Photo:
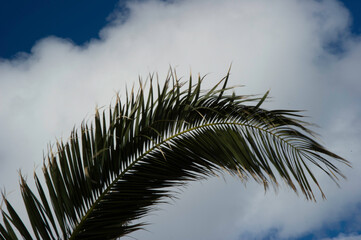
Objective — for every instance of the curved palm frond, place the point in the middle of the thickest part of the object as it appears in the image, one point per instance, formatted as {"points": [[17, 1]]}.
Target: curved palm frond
{"points": [[114, 171]]}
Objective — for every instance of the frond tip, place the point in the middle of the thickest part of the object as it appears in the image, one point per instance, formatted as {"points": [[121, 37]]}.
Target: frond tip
{"points": [[114, 171]]}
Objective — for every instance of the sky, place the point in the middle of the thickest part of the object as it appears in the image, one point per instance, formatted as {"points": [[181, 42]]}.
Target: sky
{"points": [[61, 59]]}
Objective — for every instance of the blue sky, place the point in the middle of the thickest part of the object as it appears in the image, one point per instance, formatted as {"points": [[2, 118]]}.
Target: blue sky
{"points": [[67, 41], [355, 8], [22, 23]]}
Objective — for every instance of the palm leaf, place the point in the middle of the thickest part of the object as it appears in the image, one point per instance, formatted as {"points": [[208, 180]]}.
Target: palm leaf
{"points": [[113, 172]]}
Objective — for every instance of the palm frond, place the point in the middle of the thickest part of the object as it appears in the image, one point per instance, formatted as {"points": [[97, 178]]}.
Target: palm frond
{"points": [[114, 171]]}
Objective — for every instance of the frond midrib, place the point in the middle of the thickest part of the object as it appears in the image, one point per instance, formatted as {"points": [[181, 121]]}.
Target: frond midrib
{"points": [[83, 220]]}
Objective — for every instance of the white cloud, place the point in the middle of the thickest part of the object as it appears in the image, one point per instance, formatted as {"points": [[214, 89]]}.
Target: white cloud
{"points": [[280, 45], [345, 237]]}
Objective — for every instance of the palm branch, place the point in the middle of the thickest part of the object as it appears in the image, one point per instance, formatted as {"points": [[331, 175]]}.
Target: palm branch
{"points": [[109, 174]]}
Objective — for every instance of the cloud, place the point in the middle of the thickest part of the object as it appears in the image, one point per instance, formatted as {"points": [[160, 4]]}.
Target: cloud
{"points": [[345, 237], [282, 45]]}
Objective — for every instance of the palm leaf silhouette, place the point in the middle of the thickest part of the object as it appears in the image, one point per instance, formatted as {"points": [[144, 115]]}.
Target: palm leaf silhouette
{"points": [[113, 172]]}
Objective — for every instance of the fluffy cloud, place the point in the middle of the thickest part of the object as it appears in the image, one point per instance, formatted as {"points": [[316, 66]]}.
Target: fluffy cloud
{"points": [[283, 45], [345, 237]]}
